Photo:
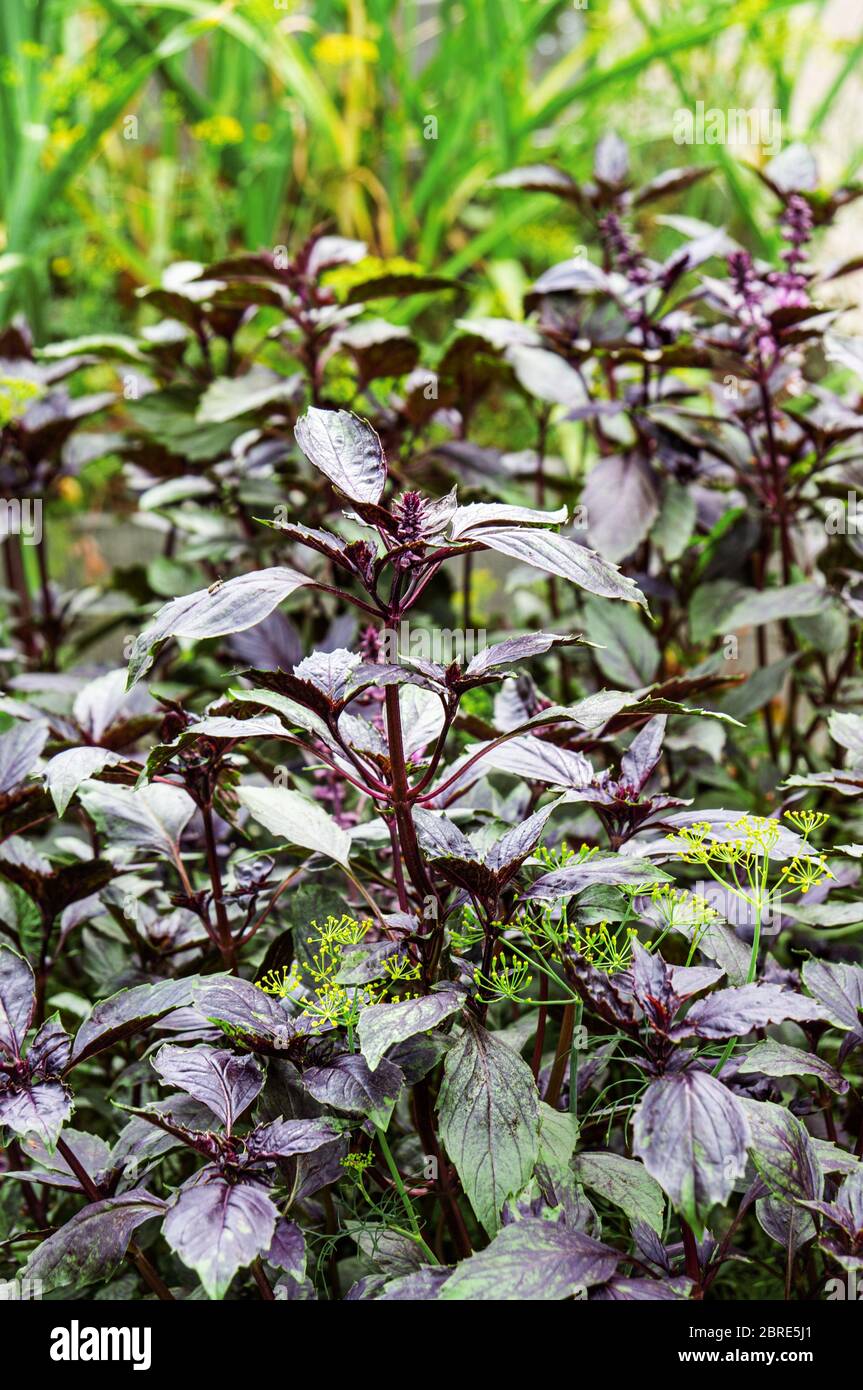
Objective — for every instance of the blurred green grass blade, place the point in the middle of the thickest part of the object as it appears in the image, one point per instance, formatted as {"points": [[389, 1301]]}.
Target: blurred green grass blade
{"points": [[36, 188], [849, 68], [277, 51], [197, 105], [557, 92], [719, 153]]}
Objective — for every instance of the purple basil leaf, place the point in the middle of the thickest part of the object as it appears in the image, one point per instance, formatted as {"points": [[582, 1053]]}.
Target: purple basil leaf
{"points": [[794, 170], [65, 772], [771, 1058], [785, 1222], [622, 502], [611, 160], [471, 522], [149, 818], [20, 748], [346, 449], [634, 1290], [329, 672], [239, 603], [381, 1026], [272, 645], [610, 996], [516, 649], [838, 988], [241, 1004], [783, 1152], [729, 1012], [554, 554], [537, 761], [532, 1261], [691, 1134], [127, 1012], [507, 853], [217, 1227], [48, 1054], [563, 883], [53, 1170], [643, 753], [227, 1084], [348, 1083], [850, 1199], [539, 178], [93, 1242], [284, 1138], [41, 1108], [652, 986], [422, 1285], [288, 1250], [670, 181], [690, 979], [440, 839], [17, 1000]]}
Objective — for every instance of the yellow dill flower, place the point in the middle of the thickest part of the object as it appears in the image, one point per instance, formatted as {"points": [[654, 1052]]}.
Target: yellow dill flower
{"points": [[602, 948], [70, 490], [760, 833], [218, 131], [807, 822], [691, 842], [283, 982], [506, 980], [338, 49], [15, 396], [400, 968], [806, 871], [678, 908], [357, 1163]]}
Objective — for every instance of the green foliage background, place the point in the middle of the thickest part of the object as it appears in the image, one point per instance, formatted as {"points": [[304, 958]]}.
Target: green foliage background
{"points": [[134, 134]]}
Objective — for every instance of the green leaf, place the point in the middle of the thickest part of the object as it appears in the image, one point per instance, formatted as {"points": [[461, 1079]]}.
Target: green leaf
{"points": [[627, 653], [296, 820], [532, 1261], [673, 528], [769, 1058], [782, 1151], [626, 1183], [381, 1026], [489, 1120], [558, 1136], [756, 606], [229, 397]]}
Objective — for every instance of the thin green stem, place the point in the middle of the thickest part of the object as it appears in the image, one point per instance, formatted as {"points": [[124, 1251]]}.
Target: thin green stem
{"points": [[402, 1191]]}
